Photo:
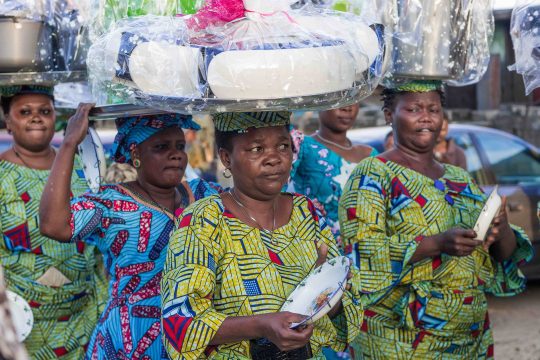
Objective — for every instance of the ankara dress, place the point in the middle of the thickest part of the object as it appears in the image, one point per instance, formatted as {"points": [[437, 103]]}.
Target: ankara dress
{"points": [[64, 316], [435, 308], [133, 236], [217, 266]]}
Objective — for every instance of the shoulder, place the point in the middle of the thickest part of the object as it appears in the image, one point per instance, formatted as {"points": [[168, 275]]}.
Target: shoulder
{"points": [[372, 164], [457, 174], [208, 207], [366, 150], [201, 188]]}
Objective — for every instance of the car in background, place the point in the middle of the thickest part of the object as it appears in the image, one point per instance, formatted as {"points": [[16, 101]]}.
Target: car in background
{"points": [[493, 157]]}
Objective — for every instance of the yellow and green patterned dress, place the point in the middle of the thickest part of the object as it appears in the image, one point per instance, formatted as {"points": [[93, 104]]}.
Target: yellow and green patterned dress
{"points": [[217, 266], [435, 308], [65, 316]]}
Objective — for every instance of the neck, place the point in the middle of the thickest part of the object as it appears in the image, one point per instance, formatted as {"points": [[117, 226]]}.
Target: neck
{"points": [[29, 154], [40, 159], [256, 206], [413, 157], [337, 137]]}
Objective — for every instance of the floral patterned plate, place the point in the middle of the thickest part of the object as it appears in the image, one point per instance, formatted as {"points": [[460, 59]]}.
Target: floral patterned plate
{"points": [[21, 314], [93, 158], [319, 291]]}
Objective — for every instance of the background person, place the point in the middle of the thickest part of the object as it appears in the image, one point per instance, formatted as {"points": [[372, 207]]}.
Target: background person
{"points": [[61, 282], [446, 150], [323, 161], [407, 222], [237, 256], [130, 223]]}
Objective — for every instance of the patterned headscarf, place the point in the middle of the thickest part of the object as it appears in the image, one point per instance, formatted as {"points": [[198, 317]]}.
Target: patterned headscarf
{"points": [[12, 90], [134, 130], [418, 86], [241, 122]]}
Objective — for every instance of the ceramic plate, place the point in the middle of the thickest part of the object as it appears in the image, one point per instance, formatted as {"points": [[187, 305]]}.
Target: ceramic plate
{"points": [[21, 314], [93, 158], [489, 211], [319, 292]]}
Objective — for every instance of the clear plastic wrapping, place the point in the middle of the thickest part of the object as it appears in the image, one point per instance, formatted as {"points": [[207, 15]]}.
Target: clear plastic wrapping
{"points": [[43, 35], [439, 39], [525, 32], [271, 58]]}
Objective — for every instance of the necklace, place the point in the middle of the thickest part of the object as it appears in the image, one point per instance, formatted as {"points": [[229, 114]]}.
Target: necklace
{"points": [[18, 155], [246, 212], [339, 146], [152, 200]]}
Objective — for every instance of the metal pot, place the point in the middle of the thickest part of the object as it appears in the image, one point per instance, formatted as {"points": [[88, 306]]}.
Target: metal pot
{"points": [[24, 45], [422, 46]]}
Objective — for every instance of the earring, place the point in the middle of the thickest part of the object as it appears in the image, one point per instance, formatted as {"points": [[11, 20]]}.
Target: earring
{"points": [[136, 163], [227, 173]]}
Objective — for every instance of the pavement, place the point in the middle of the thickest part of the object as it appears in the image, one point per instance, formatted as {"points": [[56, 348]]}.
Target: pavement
{"points": [[516, 324]]}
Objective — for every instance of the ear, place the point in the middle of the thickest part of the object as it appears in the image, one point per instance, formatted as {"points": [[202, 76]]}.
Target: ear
{"points": [[135, 153], [388, 116], [225, 157], [7, 120]]}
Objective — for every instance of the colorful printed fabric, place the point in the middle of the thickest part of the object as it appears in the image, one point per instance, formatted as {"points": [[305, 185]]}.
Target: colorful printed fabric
{"points": [[65, 316], [320, 174], [435, 308], [134, 130], [240, 122], [133, 236], [417, 86], [217, 266], [12, 90]]}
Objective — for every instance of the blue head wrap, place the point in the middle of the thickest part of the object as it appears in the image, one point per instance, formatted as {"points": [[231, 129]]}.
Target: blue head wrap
{"points": [[134, 130]]}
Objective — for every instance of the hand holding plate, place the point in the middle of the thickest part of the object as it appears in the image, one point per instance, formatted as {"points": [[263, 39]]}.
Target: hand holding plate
{"points": [[77, 127], [277, 329], [457, 242], [500, 227]]}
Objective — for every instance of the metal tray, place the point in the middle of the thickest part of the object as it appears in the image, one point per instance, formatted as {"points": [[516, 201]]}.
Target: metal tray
{"points": [[110, 112], [45, 78]]}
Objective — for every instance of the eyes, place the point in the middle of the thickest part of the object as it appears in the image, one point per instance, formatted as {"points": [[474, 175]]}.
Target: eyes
{"points": [[167, 146], [417, 109], [42, 111], [260, 149]]}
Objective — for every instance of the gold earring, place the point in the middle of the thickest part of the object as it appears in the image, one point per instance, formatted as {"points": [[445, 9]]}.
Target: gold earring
{"points": [[136, 163], [227, 173]]}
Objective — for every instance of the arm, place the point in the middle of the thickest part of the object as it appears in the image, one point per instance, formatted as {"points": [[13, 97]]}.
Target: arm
{"points": [[54, 209]]}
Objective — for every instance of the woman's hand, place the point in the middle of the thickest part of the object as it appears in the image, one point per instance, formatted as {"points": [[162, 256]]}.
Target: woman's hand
{"points": [[501, 240], [77, 127], [457, 242], [277, 329]]}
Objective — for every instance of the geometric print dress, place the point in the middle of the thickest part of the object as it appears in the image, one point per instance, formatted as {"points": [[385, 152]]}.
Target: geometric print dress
{"points": [[64, 316], [435, 308], [217, 266], [133, 236]]}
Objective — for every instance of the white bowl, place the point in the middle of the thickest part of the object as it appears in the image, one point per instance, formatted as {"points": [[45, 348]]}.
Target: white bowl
{"points": [[21, 314], [92, 156]]}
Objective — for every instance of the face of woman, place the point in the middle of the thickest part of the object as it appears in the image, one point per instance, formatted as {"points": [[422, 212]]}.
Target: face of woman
{"points": [[339, 120], [260, 161], [416, 120], [31, 121], [163, 159]]}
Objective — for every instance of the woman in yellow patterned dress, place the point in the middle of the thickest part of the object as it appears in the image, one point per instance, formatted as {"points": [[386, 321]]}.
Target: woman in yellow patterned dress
{"points": [[61, 282], [407, 223], [237, 256]]}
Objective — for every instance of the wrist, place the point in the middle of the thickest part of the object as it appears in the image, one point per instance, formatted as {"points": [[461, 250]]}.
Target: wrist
{"points": [[433, 245], [69, 145], [260, 328]]}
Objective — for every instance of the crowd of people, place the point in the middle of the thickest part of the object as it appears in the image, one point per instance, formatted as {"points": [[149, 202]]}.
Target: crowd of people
{"points": [[156, 267]]}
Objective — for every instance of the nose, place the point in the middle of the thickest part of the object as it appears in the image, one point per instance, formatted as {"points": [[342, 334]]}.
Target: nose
{"points": [[272, 158]]}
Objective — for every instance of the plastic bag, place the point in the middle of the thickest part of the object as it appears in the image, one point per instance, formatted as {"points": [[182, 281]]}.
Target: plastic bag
{"points": [[267, 60], [525, 32], [440, 39]]}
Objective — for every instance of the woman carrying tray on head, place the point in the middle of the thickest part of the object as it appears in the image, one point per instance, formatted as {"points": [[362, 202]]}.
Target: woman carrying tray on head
{"points": [[323, 162], [62, 282], [129, 222], [407, 222], [237, 256]]}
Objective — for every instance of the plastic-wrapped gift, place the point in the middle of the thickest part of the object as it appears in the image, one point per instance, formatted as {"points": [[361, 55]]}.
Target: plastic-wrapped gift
{"points": [[440, 39], [271, 58], [525, 32]]}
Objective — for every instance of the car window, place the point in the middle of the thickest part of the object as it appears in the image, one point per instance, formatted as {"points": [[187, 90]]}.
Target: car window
{"points": [[511, 161], [474, 164]]}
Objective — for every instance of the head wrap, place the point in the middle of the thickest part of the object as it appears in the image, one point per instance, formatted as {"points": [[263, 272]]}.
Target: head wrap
{"points": [[242, 121], [134, 130], [12, 90], [418, 86]]}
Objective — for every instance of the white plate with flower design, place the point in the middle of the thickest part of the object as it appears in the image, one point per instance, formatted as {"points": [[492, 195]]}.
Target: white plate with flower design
{"points": [[21, 314], [319, 292], [92, 155]]}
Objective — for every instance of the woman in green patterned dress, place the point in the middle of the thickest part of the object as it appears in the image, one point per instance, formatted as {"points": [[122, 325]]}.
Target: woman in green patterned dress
{"points": [[61, 282], [407, 222]]}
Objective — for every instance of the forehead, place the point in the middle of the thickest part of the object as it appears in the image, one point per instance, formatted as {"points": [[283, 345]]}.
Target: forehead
{"points": [[168, 134], [266, 133], [30, 99], [418, 97]]}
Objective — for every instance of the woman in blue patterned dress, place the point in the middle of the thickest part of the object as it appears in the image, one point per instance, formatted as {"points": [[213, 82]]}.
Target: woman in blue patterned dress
{"points": [[323, 162], [129, 222]]}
